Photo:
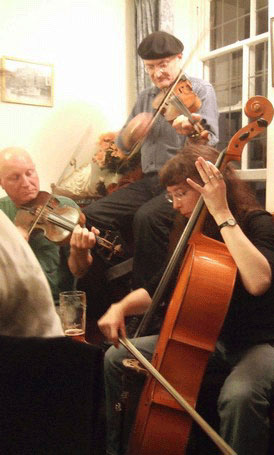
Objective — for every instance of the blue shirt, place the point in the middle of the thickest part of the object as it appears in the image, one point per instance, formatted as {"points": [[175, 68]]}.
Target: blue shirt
{"points": [[163, 141]]}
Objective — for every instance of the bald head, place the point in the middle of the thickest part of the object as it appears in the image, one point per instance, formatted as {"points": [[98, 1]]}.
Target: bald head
{"points": [[18, 175], [13, 154]]}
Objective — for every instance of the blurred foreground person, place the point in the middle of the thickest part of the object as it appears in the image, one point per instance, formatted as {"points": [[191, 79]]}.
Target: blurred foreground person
{"points": [[26, 304]]}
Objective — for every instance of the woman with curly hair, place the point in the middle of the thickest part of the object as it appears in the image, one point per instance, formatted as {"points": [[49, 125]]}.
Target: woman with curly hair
{"points": [[244, 353]]}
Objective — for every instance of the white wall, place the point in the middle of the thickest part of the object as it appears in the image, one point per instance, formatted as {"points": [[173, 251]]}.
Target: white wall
{"points": [[88, 42], [186, 29]]}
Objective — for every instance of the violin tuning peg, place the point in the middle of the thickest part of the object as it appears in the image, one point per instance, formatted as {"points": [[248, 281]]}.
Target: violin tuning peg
{"points": [[115, 239]]}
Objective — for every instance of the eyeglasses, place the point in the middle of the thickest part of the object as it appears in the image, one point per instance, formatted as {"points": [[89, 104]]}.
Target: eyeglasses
{"points": [[162, 66], [170, 197]]}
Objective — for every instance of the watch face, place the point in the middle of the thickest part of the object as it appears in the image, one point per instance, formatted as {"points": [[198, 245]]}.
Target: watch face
{"points": [[231, 222]]}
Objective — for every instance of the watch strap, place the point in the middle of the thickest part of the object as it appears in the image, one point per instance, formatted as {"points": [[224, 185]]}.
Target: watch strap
{"points": [[230, 222]]}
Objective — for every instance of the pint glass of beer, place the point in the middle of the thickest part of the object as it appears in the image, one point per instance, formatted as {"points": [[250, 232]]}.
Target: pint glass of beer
{"points": [[73, 314]]}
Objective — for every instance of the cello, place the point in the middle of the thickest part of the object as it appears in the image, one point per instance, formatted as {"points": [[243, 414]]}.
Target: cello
{"points": [[193, 320]]}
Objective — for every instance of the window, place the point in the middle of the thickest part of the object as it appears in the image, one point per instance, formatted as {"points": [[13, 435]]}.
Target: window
{"points": [[236, 65], [231, 22]]}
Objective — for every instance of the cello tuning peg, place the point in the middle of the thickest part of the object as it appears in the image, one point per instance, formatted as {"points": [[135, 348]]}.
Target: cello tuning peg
{"points": [[262, 123]]}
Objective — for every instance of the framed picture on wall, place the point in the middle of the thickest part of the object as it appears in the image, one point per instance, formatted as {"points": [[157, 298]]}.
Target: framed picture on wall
{"points": [[26, 82]]}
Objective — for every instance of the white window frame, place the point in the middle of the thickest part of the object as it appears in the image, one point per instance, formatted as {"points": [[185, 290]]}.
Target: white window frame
{"points": [[246, 47]]}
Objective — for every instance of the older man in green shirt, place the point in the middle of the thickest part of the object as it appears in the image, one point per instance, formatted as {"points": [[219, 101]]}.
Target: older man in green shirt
{"points": [[18, 177]]}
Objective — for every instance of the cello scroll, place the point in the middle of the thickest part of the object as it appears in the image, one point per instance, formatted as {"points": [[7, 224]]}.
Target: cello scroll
{"points": [[258, 108]]}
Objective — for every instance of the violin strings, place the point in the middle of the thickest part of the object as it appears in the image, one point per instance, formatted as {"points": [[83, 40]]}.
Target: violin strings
{"points": [[40, 214], [57, 219], [47, 214]]}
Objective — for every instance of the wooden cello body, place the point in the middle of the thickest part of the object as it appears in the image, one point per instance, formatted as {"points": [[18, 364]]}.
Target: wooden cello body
{"points": [[192, 324], [188, 336]]}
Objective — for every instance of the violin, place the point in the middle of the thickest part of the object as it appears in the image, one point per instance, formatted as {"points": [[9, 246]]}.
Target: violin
{"points": [[178, 99], [181, 101], [181, 97], [56, 221]]}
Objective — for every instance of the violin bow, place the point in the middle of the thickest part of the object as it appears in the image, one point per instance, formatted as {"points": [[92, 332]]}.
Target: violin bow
{"points": [[75, 153], [40, 214]]}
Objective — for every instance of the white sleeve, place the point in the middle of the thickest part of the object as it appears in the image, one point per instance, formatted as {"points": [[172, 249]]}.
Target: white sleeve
{"points": [[26, 304]]}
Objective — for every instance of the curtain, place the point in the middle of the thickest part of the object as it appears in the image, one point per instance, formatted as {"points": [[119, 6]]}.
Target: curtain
{"points": [[150, 16]]}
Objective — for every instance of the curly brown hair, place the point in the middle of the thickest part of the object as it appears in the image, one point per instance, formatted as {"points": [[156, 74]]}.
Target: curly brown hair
{"points": [[241, 199]]}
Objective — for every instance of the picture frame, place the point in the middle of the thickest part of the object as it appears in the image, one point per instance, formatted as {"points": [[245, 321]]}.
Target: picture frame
{"points": [[26, 82], [272, 47]]}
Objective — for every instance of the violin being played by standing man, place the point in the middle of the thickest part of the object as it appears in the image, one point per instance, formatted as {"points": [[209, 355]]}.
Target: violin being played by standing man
{"points": [[141, 206]]}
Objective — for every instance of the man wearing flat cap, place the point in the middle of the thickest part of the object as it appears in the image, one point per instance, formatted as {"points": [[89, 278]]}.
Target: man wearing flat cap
{"points": [[159, 45], [142, 205]]}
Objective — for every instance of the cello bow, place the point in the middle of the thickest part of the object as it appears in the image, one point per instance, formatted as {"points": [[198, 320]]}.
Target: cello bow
{"points": [[225, 448]]}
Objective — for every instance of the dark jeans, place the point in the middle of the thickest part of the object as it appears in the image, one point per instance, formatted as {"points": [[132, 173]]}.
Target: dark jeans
{"points": [[141, 209], [235, 398]]}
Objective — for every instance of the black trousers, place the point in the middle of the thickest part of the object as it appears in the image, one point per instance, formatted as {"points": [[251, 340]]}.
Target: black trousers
{"points": [[141, 209]]}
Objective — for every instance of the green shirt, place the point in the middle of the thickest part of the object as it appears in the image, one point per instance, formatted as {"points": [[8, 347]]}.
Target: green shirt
{"points": [[52, 258]]}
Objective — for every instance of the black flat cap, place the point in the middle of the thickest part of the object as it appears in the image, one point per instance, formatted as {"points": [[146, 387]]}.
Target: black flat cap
{"points": [[159, 45]]}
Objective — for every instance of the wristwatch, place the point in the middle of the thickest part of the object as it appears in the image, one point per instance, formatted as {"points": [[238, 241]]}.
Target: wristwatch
{"points": [[229, 222]]}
